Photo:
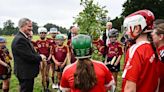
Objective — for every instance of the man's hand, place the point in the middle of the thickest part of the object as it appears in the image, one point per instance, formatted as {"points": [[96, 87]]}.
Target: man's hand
{"points": [[43, 57]]}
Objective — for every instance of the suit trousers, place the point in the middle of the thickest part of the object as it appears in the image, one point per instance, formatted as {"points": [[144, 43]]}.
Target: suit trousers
{"points": [[26, 85]]}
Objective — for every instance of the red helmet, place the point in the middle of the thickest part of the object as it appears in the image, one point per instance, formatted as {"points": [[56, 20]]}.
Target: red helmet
{"points": [[148, 15], [144, 18]]}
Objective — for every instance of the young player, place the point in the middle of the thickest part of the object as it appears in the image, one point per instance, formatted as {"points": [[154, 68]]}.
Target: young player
{"points": [[140, 73], [43, 47], [5, 67], [114, 53], [158, 39], [60, 54], [53, 32], [74, 32], [97, 42], [86, 75]]}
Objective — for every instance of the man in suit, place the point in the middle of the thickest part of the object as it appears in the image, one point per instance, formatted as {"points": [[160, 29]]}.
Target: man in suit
{"points": [[26, 59]]}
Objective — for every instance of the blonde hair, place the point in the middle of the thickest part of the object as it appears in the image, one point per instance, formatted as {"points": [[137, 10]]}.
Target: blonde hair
{"points": [[109, 23]]}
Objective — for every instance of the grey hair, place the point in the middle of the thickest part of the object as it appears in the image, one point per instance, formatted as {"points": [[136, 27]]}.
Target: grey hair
{"points": [[22, 22]]}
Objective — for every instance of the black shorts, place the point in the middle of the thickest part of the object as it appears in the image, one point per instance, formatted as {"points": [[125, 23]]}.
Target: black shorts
{"points": [[113, 68], [6, 75]]}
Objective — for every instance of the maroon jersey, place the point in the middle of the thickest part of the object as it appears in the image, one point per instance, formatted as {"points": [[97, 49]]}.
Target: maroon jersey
{"points": [[34, 43], [114, 49], [51, 41], [43, 47], [73, 59], [98, 43], [2, 68], [69, 42], [60, 52]]}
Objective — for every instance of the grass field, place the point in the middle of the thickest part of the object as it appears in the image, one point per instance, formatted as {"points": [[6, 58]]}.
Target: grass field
{"points": [[14, 86]]}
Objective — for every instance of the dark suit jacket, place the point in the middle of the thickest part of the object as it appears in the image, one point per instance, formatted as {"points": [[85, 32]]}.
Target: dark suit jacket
{"points": [[26, 60]]}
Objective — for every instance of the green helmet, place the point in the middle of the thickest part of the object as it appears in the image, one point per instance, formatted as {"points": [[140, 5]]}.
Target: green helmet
{"points": [[82, 46], [59, 37]]}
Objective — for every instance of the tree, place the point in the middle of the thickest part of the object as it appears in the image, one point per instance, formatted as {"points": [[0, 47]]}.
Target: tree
{"points": [[156, 6], [8, 28], [35, 27], [117, 23], [1, 31], [90, 19]]}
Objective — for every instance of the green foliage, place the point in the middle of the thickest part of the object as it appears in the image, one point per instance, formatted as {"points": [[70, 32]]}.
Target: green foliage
{"points": [[117, 23], [8, 28], [35, 27], [90, 19], [156, 6]]}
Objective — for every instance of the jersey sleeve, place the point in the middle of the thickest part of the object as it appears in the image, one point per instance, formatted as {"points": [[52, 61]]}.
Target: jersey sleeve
{"points": [[64, 85], [120, 49]]}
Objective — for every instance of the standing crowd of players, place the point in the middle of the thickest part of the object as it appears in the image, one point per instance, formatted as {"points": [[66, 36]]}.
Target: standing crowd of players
{"points": [[144, 57]]}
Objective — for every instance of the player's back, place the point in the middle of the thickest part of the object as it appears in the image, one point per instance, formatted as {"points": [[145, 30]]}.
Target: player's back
{"points": [[103, 75]]}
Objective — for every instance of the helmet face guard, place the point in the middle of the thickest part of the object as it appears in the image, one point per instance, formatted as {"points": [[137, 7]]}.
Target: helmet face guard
{"points": [[82, 46]]}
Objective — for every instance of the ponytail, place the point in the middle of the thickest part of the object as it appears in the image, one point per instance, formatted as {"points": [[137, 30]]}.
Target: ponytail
{"points": [[150, 39], [84, 77]]}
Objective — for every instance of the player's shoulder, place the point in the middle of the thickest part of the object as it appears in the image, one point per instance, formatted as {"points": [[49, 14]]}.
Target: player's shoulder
{"points": [[118, 43], [138, 47], [49, 38], [99, 63], [69, 67]]}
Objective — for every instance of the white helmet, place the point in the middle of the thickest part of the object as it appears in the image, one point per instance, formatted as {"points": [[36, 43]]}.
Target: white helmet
{"points": [[53, 30], [144, 18], [42, 29]]}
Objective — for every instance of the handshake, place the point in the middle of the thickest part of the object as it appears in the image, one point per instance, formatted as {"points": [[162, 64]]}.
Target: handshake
{"points": [[43, 57]]}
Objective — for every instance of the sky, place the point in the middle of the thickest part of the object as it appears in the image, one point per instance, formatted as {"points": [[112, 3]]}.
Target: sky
{"points": [[59, 12]]}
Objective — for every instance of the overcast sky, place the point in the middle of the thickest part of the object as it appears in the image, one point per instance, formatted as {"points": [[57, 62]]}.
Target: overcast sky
{"points": [[60, 12]]}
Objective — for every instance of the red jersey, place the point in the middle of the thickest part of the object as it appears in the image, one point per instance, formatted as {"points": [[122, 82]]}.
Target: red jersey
{"points": [[98, 43], [141, 67], [2, 68], [114, 49], [103, 75], [60, 52], [43, 47], [161, 71]]}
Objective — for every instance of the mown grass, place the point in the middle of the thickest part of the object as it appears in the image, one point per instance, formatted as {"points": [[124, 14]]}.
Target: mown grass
{"points": [[14, 85]]}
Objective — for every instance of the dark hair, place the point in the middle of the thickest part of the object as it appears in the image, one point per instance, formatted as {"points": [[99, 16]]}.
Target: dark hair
{"points": [[84, 77]]}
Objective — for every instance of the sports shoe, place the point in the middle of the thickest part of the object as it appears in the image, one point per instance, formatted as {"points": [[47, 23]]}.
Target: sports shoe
{"points": [[54, 86]]}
